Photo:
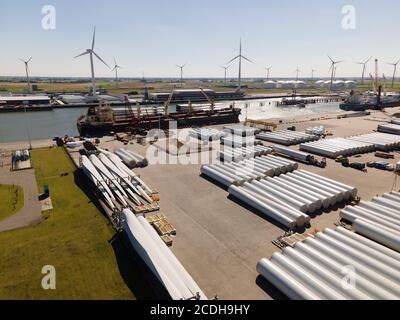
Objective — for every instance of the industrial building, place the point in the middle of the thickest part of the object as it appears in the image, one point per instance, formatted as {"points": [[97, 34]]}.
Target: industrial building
{"points": [[24, 100]]}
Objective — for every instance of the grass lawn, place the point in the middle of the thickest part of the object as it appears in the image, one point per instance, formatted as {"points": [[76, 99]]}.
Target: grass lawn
{"points": [[12, 200], [74, 239]]}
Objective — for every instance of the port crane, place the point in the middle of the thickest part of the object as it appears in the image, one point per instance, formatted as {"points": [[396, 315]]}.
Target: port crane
{"points": [[210, 101], [167, 103]]}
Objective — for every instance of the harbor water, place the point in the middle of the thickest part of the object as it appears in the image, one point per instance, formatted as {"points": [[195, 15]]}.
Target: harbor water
{"points": [[59, 122]]}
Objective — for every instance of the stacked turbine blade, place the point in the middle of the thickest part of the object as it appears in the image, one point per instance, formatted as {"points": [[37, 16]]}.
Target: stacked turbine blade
{"points": [[378, 219], [118, 185], [287, 138], [160, 259], [314, 269]]}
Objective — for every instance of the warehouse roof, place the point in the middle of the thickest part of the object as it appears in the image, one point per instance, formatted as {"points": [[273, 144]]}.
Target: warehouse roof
{"points": [[23, 98]]}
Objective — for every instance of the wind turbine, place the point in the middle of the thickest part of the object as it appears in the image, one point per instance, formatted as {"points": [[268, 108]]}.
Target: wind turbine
{"points": [[333, 69], [240, 57], [394, 71], [225, 68], [297, 73], [26, 62], [364, 64], [181, 67], [268, 69], [312, 74], [116, 67], [91, 53]]}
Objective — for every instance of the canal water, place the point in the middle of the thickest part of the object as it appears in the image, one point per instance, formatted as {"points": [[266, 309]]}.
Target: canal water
{"points": [[49, 124]]}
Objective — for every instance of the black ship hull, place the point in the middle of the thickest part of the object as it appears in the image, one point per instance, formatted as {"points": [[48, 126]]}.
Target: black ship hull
{"points": [[174, 120]]}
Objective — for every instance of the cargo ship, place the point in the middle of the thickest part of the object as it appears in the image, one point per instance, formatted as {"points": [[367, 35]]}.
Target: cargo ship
{"points": [[362, 102], [102, 119]]}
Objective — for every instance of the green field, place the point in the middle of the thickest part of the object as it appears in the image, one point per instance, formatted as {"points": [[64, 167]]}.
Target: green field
{"points": [[12, 200], [128, 86], [74, 238]]}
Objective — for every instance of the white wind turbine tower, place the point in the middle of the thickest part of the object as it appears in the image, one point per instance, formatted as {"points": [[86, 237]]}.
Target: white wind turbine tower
{"points": [[268, 69], [312, 73], [297, 73], [394, 71], [240, 57], [181, 67], [225, 68], [28, 81], [116, 67], [364, 64], [91, 53], [333, 69]]}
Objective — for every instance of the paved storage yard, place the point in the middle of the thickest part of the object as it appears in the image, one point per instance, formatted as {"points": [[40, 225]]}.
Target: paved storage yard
{"points": [[220, 240]]}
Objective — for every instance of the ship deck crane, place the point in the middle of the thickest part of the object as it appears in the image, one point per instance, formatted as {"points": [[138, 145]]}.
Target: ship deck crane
{"points": [[168, 102], [210, 101]]}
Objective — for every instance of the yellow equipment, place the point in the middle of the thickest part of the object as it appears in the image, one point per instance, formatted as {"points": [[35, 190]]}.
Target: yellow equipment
{"points": [[264, 124]]}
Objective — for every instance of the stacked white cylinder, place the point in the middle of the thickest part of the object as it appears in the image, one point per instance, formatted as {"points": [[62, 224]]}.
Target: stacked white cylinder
{"points": [[287, 137], [131, 158], [206, 134], [313, 269], [333, 148], [238, 154], [378, 219], [249, 169]]}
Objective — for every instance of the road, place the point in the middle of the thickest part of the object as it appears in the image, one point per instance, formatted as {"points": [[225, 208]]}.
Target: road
{"points": [[30, 214]]}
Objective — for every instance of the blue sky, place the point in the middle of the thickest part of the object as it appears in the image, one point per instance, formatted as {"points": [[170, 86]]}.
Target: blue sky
{"points": [[153, 36]]}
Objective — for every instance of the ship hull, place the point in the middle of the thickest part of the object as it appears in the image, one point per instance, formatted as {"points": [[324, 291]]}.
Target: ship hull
{"points": [[363, 107], [179, 120]]}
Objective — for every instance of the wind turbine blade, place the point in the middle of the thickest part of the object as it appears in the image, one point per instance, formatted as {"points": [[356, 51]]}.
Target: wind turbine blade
{"points": [[233, 59], [98, 57], [94, 38], [331, 59], [82, 54], [368, 60], [115, 62], [341, 61], [247, 59], [29, 60], [22, 60]]}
